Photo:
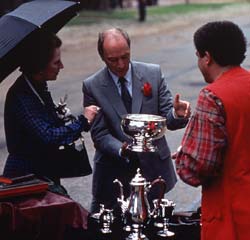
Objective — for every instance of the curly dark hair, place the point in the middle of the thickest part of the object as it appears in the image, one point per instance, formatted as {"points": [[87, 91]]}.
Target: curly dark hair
{"points": [[224, 40], [41, 48]]}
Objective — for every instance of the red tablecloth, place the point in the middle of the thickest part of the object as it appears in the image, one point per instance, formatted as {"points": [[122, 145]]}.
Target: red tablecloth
{"points": [[46, 216]]}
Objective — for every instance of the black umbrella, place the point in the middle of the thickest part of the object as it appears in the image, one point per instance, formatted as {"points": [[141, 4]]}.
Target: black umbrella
{"points": [[18, 26]]}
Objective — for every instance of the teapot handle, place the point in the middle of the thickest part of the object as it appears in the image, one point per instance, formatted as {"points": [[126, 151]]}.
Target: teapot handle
{"points": [[121, 189], [161, 181]]}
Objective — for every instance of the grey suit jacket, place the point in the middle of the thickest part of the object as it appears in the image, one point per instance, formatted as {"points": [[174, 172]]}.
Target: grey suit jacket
{"points": [[100, 89]]}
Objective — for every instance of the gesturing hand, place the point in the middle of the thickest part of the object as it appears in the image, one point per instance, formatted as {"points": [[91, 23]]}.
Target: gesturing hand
{"points": [[182, 108]]}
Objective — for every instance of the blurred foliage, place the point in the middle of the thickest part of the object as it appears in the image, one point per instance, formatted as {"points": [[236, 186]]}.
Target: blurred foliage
{"points": [[90, 17]]}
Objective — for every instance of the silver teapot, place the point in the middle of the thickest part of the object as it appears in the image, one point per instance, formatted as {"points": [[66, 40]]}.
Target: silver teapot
{"points": [[137, 206]]}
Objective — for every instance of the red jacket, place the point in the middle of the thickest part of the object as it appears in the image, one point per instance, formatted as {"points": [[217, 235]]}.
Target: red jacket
{"points": [[225, 202]]}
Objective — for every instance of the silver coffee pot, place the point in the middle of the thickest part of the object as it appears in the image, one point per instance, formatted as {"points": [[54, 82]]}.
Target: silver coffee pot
{"points": [[137, 206]]}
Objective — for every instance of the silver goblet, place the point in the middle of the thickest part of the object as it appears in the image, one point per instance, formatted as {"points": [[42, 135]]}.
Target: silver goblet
{"points": [[164, 211], [143, 129]]}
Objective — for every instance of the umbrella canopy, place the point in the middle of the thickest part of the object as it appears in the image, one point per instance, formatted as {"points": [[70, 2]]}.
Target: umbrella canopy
{"points": [[18, 26]]}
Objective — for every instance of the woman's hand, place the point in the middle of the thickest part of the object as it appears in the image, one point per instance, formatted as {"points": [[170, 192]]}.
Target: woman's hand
{"points": [[90, 112]]}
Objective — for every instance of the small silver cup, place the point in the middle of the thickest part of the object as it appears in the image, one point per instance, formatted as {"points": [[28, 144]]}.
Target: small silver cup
{"points": [[163, 211], [106, 218]]}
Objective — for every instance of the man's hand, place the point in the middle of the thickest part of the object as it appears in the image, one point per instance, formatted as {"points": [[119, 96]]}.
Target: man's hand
{"points": [[182, 108], [129, 156], [174, 155], [125, 152]]}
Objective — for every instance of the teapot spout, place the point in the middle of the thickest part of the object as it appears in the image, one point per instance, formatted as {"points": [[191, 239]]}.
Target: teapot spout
{"points": [[120, 200]]}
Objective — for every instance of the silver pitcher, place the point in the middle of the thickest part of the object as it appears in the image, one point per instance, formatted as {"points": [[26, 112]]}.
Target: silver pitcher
{"points": [[106, 219]]}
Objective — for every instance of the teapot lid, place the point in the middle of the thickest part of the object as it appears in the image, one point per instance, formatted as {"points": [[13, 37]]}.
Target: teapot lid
{"points": [[138, 179]]}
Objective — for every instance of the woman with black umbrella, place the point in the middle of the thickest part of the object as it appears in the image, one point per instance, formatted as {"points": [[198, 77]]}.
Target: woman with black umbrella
{"points": [[32, 124]]}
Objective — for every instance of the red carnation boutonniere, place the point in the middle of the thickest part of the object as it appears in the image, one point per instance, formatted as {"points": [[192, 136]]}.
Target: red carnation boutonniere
{"points": [[147, 89]]}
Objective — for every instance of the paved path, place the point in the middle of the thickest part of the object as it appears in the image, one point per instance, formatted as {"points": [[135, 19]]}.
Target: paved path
{"points": [[167, 43]]}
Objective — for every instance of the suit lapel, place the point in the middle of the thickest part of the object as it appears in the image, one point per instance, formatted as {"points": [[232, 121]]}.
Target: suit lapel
{"points": [[111, 92], [137, 93]]}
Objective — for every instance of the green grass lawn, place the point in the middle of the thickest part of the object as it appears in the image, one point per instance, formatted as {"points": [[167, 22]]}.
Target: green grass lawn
{"points": [[91, 17]]}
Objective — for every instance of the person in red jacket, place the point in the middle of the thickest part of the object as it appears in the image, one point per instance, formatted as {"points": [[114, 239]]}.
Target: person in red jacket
{"points": [[215, 148]]}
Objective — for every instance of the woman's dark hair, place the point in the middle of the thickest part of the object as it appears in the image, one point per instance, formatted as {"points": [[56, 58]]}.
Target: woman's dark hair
{"points": [[102, 35], [224, 40], [42, 46]]}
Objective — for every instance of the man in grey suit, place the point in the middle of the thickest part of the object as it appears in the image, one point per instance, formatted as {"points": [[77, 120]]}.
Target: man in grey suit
{"points": [[145, 92]]}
